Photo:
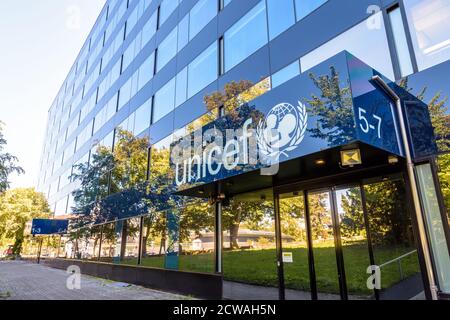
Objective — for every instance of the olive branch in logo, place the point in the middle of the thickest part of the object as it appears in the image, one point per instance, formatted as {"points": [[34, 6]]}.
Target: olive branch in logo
{"points": [[265, 141]]}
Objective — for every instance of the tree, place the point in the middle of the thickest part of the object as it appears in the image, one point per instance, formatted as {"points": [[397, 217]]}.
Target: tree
{"points": [[439, 114], [235, 95], [17, 207], [440, 119], [249, 212], [8, 163], [333, 109]]}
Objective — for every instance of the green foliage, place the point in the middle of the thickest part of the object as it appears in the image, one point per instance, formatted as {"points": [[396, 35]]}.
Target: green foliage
{"points": [[334, 109], [17, 207], [8, 163], [444, 178]]}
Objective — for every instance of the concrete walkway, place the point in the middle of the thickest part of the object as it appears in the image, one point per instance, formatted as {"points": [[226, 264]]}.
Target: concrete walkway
{"points": [[27, 281]]}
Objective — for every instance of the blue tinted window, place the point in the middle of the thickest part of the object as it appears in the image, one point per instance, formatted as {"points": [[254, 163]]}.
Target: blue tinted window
{"points": [[164, 101], [149, 29], [201, 14], [166, 9], [146, 71], [305, 7], [143, 114], [183, 32], [246, 36], [125, 94], [181, 94], [226, 2], [281, 16], [285, 74], [203, 70], [167, 49]]}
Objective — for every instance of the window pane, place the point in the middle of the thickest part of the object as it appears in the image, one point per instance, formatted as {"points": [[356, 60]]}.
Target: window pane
{"points": [[167, 49], [368, 45], [201, 14], [143, 115], [226, 2], [205, 65], [249, 243], [160, 172], [164, 101], [281, 16], [238, 44], [167, 7], [305, 7], [130, 241], [149, 29], [125, 94], [154, 240], [435, 227], [181, 94], [183, 32], [146, 71], [401, 44], [285, 74], [428, 23]]}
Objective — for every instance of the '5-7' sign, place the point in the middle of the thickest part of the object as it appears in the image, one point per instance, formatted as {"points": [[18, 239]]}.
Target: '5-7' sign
{"points": [[367, 125]]}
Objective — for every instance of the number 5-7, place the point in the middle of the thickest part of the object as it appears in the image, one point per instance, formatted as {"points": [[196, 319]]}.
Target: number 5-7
{"points": [[364, 123]]}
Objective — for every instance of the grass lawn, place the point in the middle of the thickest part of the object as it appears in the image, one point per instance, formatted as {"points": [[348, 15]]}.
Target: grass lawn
{"points": [[259, 267]]}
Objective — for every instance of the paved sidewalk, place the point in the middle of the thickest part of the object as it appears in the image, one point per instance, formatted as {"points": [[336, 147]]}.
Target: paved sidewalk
{"points": [[27, 281]]}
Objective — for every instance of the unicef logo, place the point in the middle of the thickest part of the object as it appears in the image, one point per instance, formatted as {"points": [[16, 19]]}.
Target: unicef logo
{"points": [[282, 130]]}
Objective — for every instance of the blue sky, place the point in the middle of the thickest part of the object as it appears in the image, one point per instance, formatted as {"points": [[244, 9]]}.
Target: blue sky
{"points": [[39, 41]]}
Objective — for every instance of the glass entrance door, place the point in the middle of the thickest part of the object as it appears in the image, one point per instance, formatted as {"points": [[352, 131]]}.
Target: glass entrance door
{"points": [[309, 243], [295, 241], [324, 243], [331, 237]]}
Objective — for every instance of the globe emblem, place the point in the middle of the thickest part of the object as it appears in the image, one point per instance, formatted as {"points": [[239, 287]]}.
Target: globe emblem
{"points": [[282, 130]]}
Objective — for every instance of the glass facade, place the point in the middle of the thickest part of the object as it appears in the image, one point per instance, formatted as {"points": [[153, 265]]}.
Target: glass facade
{"points": [[152, 71]]}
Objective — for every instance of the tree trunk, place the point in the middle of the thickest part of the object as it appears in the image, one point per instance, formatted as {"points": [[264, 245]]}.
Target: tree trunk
{"points": [[123, 244], [18, 241], [234, 234], [163, 244], [144, 246], [144, 241]]}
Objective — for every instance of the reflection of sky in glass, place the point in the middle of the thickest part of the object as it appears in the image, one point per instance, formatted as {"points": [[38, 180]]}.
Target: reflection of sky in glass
{"points": [[428, 21]]}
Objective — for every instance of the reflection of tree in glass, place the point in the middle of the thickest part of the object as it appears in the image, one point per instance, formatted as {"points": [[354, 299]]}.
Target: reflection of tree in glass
{"points": [[321, 223], [240, 213], [130, 158], [444, 178], [352, 220], [108, 172], [292, 218], [160, 173], [235, 95], [195, 219], [93, 180], [439, 113], [389, 221], [440, 119], [333, 109], [154, 232]]}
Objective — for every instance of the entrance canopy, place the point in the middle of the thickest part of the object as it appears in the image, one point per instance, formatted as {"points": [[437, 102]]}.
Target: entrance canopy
{"points": [[299, 129]]}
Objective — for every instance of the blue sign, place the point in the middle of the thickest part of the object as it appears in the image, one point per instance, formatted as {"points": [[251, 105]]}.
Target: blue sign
{"points": [[49, 226], [332, 105]]}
